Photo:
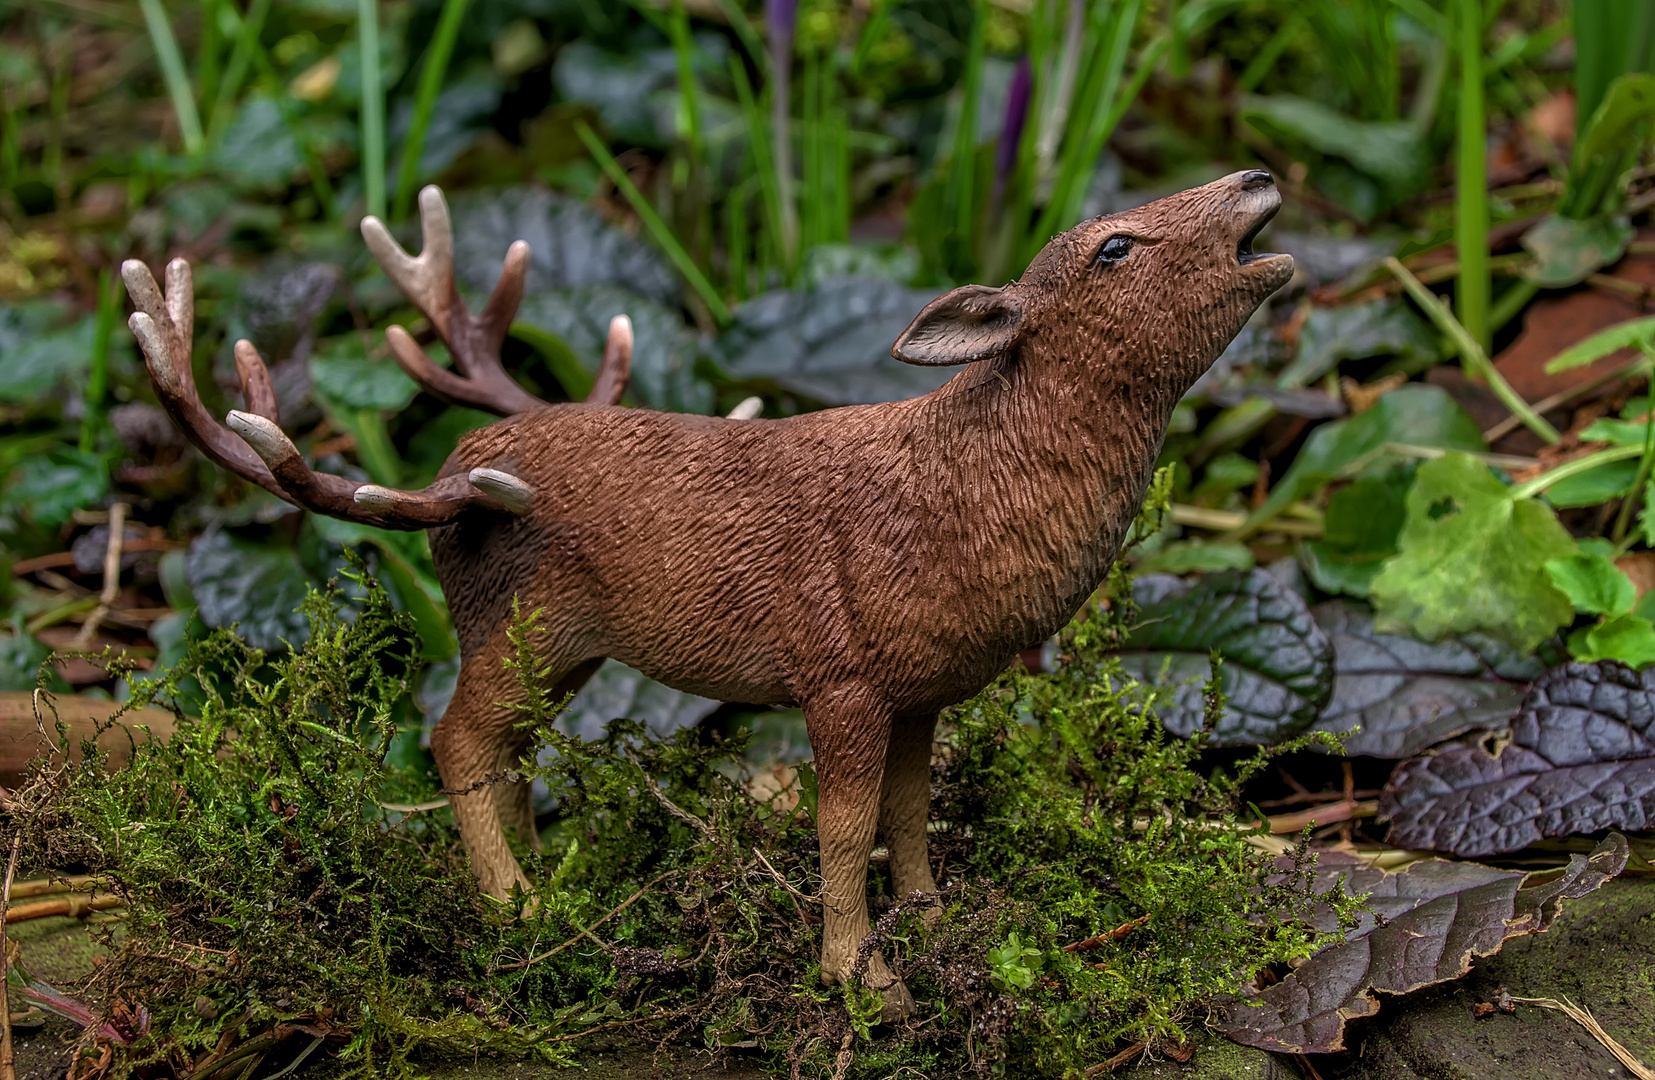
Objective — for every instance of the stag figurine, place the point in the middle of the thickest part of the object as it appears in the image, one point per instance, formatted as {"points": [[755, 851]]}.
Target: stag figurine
{"points": [[872, 564]]}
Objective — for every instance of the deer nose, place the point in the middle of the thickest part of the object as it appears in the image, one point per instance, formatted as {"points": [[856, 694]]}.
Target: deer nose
{"points": [[1254, 179]]}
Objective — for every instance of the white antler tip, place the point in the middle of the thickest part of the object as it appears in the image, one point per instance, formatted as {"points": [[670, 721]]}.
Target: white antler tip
{"points": [[266, 438], [621, 325], [376, 498], [748, 409], [511, 492]]}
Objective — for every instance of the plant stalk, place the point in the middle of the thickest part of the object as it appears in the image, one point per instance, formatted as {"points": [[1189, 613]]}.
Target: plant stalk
{"points": [[373, 108], [1471, 294], [437, 55], [176, 75]]}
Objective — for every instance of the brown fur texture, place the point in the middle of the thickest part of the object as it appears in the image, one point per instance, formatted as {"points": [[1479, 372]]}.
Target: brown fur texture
{"points": [[872, 564]]}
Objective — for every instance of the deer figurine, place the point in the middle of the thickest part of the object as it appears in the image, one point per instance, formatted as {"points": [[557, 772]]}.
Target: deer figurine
{"points": [[871, 564]]}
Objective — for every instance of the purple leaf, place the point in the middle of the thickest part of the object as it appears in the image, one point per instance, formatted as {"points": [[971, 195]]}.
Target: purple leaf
{"points": [[1581, 759], [1428, 922]]}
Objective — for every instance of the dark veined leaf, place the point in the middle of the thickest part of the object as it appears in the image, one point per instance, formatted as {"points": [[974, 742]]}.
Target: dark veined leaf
{"points": [[1470, 557], [832, 345], [663, 352], [1356, 331], [1428, 921], [1277, 663], [50, 486], [1404, 695], [1566, 251], [258, 586], [569, 245], [1581, 758], [619, 691]]}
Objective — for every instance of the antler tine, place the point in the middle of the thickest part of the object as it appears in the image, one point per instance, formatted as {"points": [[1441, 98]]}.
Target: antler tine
{"points": [[474, 342], [256, 388], [617, 364], [166, 353], [427, 280]]}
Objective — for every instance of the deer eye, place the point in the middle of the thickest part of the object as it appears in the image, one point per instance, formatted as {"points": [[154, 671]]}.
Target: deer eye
{"points": [[1115, 249]]}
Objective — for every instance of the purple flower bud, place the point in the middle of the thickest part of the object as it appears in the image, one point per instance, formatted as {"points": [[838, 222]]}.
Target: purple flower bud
{"points": [[1011, 132], [780, 16]]}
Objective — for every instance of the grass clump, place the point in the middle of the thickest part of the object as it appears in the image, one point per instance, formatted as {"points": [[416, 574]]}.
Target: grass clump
{"points": [[271, 891]]}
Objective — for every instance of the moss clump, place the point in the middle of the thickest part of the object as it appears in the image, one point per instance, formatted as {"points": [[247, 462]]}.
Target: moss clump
{"points": [[266, 875]]}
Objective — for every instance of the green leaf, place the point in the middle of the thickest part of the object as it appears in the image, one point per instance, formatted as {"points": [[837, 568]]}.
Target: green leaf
{"points": [[1593, 584], [343, 376], [1634, 333], [1390, 152], [1470, 557], [1416, 414], [51, 486], [1629, 103], [1566, 250], [1627, 638], [1186, 556], [1360, 529], [1599, 485]]}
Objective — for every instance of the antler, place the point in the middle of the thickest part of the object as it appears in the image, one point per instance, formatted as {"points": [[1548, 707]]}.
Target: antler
{"points": [[254, 446], [473, 340]]}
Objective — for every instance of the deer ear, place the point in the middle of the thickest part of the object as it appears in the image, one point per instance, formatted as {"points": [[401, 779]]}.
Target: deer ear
{"points": [[971, 323]]}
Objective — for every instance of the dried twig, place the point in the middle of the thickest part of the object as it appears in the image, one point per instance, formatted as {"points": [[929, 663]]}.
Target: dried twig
{"points": [[1118, 1060], [668, 805], [1108, 935], [1595, 1029], [587, 932], [111, 578], [72, 905], [8, 1066]]}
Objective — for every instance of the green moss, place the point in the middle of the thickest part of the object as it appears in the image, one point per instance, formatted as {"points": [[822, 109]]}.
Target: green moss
{"points": [[265, 874]]}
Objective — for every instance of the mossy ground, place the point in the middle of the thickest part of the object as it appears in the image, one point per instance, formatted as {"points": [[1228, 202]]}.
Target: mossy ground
{"points": [[277, 892]]}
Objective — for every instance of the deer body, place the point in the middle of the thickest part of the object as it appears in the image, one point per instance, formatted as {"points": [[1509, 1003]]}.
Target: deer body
{"points": [[872, 564]]}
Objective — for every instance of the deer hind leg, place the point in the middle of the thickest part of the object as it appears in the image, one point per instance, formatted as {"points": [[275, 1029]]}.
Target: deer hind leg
{"points": [[473, 744], [849, 731], [905, 804], [516, 798]]}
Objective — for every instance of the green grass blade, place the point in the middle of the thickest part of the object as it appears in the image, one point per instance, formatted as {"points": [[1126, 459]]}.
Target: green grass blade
{"points": [[758, 143], [1471, 292], [1472, 355], [658, 229], [241, 61], [97, 381], [373, 108], [689, 91], [175, 74], [437, 55], [207, 60]]}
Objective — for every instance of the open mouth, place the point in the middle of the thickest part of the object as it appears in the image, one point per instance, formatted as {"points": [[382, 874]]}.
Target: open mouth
{"points": [[1244, 248]]}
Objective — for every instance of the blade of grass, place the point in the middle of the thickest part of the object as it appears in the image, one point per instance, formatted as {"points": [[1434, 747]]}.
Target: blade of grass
{"points": [[241, 61], [779, 25], [758, 144], [1471, 291], [658, 229], [97, 380], [1472, 356], [431, 76], [207, 58], [373, 108], [959, 198], [176, 76]]}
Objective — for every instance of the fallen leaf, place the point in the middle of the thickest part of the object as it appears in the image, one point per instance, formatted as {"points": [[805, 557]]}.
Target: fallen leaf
{"points": [[1581, 758], [1426, 924]]}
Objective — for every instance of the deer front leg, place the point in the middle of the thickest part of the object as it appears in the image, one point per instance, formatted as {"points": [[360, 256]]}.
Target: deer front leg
{"points": [[849, 731], [905, 805], [515, 798]]}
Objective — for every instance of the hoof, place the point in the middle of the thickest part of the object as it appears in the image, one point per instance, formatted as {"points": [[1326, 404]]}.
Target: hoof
{"points": [[899, 1003]]}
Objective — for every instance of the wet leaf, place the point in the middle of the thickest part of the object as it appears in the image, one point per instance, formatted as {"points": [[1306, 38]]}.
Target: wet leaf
{"points": [[1470, 557], [1404, 695], [1355, 332], [1278, 664], [1360, 528], [1390, 152], [1567, 251], [569, 245], [50, 486], [1629, 639], [1581, 758], [832, 345], [258, 586], [1427, 923], [342, 374], [663, 351]]}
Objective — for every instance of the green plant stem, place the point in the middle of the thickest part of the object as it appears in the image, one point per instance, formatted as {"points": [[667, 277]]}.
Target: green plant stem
{"points": [[207, 63], [1623, 520], [1471, 293], [175, 74], [241, 60], [373, 108], [431, 76], [1530, 488], [97, 380], [658, 229], [758, 143], [1471, 353]]}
